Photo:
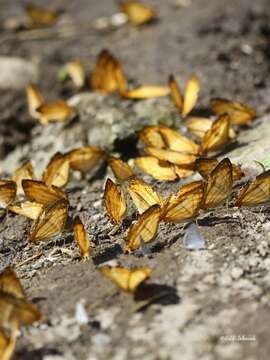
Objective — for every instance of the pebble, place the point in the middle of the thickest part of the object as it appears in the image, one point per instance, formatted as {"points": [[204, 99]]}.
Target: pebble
{"points": [[236, 273]]}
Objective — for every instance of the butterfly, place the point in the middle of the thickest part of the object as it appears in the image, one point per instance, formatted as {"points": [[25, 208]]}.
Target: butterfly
{"points": [[57, 171], [185, 205], [75, 70], [40, 16], [137, 12], [125, 279], [7, 345], [198, 126], [143, 195], [240, 114], [114, 202], [85, 158], [205, 166], [39, 192], [81, 238], [14, 307], [256, 192], [121, 170], [8, 189], [158, 169], [51, 221], [144, 229], [219, 184], [185, 103], [26, 171], [45, 112], [217, 136], [29, 209]]}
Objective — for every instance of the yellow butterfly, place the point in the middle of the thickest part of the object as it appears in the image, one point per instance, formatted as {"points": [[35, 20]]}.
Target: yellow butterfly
{"points": [[255, 192], [158, 169], [114, 202], [29, 209], [144, 229], [81, 238], [125, 279], [185, 103], [76, 72]]}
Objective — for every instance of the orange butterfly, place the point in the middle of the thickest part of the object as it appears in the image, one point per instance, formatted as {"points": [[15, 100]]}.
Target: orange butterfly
{"points": [[206, 166], [25, 171], [185, 103], [76, 72], [46, 112], [39, 192], [51, 221], [198, 126], [219, 184], [57, 171], [217, 136], [114, 202], [81, 238], [137, 12], [85, 158], [125, 279], [255, 192], [8, 191], [121, 170], [185, 205], [240, 114], [144, 229]]}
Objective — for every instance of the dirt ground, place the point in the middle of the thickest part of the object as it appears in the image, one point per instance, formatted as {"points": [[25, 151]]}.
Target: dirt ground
{"points": [[217, 303]]}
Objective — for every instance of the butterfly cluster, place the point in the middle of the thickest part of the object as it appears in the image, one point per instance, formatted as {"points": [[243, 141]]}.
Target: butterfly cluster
{"points": [[168, 155]]}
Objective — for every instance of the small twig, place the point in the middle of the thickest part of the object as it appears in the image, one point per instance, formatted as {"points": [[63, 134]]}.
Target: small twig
{"points": [[26, 261]]}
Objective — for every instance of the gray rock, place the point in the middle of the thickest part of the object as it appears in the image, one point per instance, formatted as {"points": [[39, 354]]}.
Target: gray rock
{"points": [[16, 72]]}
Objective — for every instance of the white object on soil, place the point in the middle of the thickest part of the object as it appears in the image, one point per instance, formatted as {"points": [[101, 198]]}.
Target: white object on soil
{"points": [[193, 239]]}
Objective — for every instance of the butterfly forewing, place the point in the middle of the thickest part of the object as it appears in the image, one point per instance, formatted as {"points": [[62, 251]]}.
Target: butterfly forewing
{"points": [[190, 95], [121, 170], [8, 191], [10, 284], [38, 191], [85, 158], [137, 12], [158, 169], [218, 135], [57, 172]]}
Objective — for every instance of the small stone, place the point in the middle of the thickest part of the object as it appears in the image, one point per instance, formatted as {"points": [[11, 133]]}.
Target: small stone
{"points": [[236, 273], [16, 72]]}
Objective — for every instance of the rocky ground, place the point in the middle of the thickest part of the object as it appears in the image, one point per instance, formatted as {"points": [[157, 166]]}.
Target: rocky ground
{"points": [[217, 303]]}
